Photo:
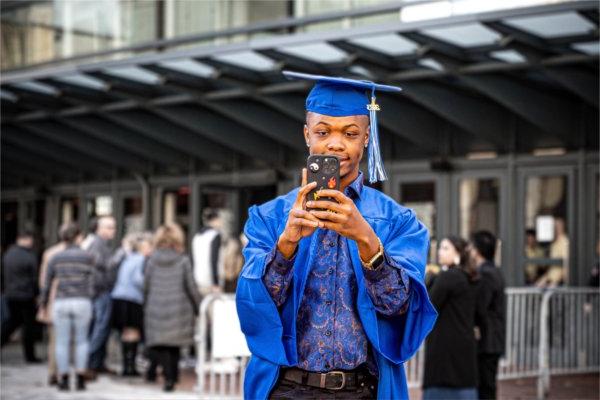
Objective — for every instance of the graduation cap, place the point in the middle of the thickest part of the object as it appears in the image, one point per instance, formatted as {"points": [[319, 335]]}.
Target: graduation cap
{"points": [[343, 97]]}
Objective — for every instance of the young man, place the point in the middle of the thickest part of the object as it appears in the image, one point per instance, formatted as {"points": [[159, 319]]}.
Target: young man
{"points": [[491, 300], [332, 302], [19, 269]]}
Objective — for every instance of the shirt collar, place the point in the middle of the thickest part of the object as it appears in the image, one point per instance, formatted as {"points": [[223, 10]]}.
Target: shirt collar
{"points": [[354, 189]]}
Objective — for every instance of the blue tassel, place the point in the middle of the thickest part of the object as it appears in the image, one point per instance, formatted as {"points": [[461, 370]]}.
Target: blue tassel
{"points": [[376, 169]]}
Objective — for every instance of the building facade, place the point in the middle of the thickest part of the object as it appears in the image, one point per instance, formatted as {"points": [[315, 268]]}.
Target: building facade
{"points": [[154, 111]]}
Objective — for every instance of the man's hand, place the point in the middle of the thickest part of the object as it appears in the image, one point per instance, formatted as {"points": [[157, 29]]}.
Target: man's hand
{"points": [[344, 218], [300, 222]]}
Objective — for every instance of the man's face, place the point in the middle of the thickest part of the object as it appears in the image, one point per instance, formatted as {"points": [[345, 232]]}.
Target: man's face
{"points": [[345, 137], [107, 228], [25, 241]]}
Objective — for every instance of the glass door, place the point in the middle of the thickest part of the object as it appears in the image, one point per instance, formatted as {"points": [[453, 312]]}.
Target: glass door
{"points": [[479, 203], [420, 192], [546, 225]]}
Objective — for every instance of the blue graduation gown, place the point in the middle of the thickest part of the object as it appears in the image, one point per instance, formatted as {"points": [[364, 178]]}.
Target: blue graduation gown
{"points": [[271, 332]]}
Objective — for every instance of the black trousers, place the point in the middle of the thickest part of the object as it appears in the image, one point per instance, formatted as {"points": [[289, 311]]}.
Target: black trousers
{"points": [[285, 389], [168, 358], [22, 313], [488, 368]]}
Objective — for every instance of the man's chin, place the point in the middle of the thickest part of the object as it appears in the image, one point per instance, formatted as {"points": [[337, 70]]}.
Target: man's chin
{"points": [[347, 169]]}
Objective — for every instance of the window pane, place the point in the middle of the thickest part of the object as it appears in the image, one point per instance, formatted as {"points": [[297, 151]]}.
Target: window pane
{"points": [[546, 238], [420, 196], [98, 206], [42, 31], [189, 17], [176, 207], [69, 209], [133, 216], [479, 206]]}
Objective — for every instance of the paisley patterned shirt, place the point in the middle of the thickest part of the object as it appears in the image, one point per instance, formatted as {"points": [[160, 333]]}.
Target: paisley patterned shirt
{"points": [[330, 335]]}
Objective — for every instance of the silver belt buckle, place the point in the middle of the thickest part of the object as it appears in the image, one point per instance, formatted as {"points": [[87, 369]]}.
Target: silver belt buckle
{"points": [[324, 378]]}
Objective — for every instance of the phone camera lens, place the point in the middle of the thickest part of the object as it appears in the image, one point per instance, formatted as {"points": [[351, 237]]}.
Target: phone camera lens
{"points": [[329, 166], [314, 167]]}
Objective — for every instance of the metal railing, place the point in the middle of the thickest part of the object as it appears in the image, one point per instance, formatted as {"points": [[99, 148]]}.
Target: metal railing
{"points": [[549, 332]]}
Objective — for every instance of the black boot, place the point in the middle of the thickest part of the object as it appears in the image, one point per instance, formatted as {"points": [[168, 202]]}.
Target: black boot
{"points": [[151, 371], [132, 356], [125, 358], [52, 380], [169, 386], [129, 355], [80, 382], [63, 384]]}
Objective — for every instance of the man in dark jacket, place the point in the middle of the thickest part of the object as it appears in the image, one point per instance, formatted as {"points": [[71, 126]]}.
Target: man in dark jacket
{"points": [[491, 300], [21, 289], [104, 278]]}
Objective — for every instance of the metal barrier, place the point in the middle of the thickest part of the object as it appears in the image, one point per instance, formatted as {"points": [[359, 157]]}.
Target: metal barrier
{"points": [[549, 332], [220, 368]]}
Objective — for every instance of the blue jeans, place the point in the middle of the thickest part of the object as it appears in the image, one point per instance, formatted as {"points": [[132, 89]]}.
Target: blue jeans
{"points": [[449, 393], [100, 330], [71, 313]]}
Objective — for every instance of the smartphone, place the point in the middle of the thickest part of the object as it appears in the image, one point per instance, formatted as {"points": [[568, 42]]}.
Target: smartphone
{"points": [[325, 170]]}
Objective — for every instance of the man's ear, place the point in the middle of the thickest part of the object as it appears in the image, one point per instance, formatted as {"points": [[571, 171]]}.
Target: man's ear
{"points": [[306, 135]]}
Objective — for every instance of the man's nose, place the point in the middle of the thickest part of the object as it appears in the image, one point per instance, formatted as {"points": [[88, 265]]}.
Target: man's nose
{"points": [[335, 144]]}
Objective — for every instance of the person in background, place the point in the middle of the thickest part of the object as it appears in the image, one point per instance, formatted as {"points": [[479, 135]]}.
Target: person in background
{"points": [[73, 269], [492, 300], [233, 261], [171, 301], [559, 250], [451, 349], [99, 246], [45, 313], [20, 278], [128, 298], [91, 233], [206, 246], [532, 250]]}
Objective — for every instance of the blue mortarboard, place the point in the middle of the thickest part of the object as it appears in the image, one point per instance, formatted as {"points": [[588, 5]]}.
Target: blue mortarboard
{"points": [[342, 97]]}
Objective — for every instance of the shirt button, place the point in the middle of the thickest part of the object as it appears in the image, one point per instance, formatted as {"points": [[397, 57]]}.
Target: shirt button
{"points": [[279, 264], [328, 333], [331, 244], [327, 366], [331, 271], [328, 302]]}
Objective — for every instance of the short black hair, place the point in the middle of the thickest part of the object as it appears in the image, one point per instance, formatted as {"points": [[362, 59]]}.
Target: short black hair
{"points": [[69, 232], [530, 232], [93, 225], [210, 215], [485, 243], [26, 233]]}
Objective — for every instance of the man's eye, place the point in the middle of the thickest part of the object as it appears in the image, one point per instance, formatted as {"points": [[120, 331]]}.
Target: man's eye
{"points": [[321, 133], [351, 134]]}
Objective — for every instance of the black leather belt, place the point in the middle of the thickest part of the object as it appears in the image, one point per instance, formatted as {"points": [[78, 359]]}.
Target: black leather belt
{"points": [[333, 380]]}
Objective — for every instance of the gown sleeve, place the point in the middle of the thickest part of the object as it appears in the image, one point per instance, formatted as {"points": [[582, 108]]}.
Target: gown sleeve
{"points": [[257, 311], [398, 337]]}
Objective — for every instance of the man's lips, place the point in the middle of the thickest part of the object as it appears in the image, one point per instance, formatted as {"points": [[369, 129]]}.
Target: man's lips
{"points": [[339, 157]]}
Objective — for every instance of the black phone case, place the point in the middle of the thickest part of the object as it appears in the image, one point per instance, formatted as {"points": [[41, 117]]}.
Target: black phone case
{"points": [[325, 170]]}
